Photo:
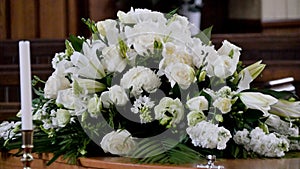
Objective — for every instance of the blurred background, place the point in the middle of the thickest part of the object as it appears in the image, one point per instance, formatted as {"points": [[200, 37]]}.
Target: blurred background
{"points": [[267, 30], [59, 18]]}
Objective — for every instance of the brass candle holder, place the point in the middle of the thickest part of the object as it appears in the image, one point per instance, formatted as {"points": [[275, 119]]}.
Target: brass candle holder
{"points": [[27, 145]]}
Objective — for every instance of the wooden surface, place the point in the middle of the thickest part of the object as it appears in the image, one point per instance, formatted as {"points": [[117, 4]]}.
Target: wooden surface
{"points": [[50, 19], [39, 162], [23, 19]]}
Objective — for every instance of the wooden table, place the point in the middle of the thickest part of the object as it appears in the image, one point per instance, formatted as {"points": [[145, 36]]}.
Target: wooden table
{"points": [[11, 162]]}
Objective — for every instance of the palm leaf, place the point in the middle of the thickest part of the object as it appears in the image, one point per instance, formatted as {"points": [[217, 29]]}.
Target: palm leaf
{"points": [[165, 151]]}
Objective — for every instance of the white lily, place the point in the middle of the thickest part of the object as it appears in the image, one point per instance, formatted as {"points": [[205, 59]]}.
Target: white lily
{"points": [[248, 74], [286, 108], [254, 69], [258, 101], [91, 86]]}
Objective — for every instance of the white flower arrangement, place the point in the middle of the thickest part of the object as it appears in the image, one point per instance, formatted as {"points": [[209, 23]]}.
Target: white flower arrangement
{"points": [[145, 74]]}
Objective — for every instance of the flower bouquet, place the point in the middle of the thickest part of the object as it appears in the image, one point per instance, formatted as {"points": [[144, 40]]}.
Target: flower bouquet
{"points": [[145, 87]]}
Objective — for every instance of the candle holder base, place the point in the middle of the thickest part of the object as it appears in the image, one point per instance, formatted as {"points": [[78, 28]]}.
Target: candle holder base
{"points": [[210, 163], [27, 145]]}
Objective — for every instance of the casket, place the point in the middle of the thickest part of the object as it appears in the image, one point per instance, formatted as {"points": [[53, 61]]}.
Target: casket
{"points": [[9, 161]]}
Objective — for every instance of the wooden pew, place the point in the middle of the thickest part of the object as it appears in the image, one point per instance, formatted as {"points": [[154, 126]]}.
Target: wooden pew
{"points": [[281, 53], [42, 52]]}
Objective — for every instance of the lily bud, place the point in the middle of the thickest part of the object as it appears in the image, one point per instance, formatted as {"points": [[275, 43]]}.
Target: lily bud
{"points": [[201, 76], [286, 108], [254, 69]]}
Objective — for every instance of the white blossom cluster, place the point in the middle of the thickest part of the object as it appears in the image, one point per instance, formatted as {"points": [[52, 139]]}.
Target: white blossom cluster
{"points": [[143, 106], [208, 135], [8, 130], [258, 141]]}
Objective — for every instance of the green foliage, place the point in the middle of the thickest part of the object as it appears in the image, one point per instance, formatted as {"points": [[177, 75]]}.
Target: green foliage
{"points": [[205, 35], [76, 43], [171, 13], [91, 25], [165, 151]]}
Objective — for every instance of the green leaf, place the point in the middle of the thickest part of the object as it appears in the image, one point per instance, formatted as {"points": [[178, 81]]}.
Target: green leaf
{"points": [[76, 42], [205, 36], [91, 25], [207, 32], [165, 151], [170, 14]]}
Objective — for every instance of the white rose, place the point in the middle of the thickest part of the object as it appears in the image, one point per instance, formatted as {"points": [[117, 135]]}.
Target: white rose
{"points": [[224, 66], [140, 78], [66, 98], [181, 74], [226, 63], [143, 35], [199, 51], [229, 49], [141, 15], [175, 53], [63, 117], [198, 103], [115, 95], [94, 106], [118, 95], [118, 142], [258, 101], [54, 84], [179, 28], [171, 106], [222, 63], [223, 104], [210, 59]]}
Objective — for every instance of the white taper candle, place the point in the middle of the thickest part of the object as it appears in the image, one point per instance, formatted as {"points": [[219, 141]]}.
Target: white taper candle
{"points": [[25, 84]]}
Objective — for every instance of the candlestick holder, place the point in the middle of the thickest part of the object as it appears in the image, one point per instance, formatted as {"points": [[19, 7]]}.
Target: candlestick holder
{"points": [[210, 163], [27, 145]]}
